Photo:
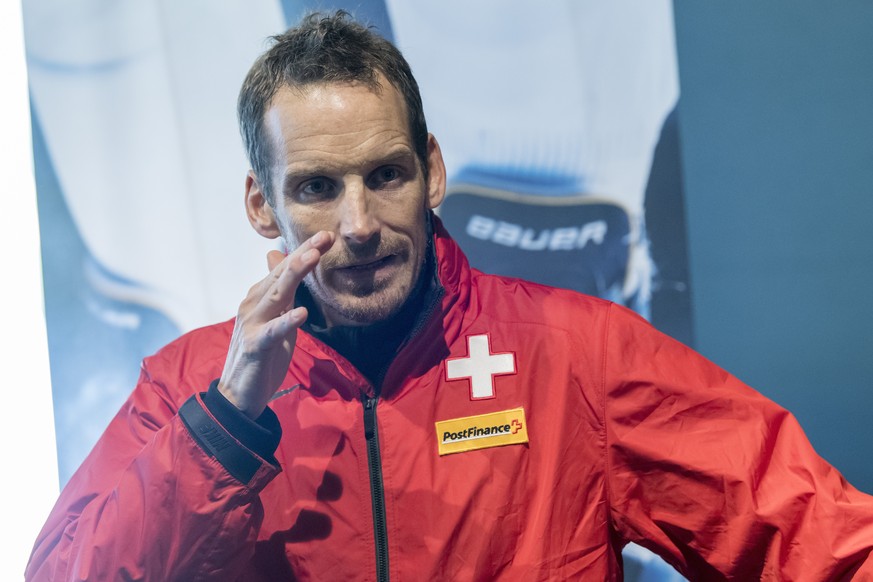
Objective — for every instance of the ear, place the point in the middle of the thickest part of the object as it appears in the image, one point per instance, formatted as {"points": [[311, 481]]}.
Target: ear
{"points": [[436, 173], [260, 213]]}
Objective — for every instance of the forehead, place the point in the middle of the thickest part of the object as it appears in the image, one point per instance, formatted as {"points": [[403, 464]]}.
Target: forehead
{"points": [[334, 123]]}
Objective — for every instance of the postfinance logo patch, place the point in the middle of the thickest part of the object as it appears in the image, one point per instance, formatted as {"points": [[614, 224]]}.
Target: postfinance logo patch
{"points": [[507, 427]]}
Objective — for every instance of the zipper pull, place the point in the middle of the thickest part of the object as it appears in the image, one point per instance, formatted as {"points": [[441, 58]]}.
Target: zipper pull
{"points": [[369, 417]]}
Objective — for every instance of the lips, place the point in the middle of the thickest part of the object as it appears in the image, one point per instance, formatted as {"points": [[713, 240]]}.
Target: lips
{"points": [[370, 265], [375, 267], [363, 278]]}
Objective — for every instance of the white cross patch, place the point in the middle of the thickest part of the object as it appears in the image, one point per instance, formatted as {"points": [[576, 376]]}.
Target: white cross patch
{"points": [[480, 366]]}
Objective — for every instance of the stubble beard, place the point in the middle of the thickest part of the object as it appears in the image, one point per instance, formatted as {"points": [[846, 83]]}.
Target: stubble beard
{"points": [[364, 307], [366, 302]]}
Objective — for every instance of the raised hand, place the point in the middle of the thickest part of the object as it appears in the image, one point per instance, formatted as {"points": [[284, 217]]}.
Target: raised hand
{"points": [[266, 327]]}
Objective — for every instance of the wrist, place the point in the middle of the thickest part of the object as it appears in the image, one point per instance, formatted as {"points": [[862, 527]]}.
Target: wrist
{"points": [[244, 405]]}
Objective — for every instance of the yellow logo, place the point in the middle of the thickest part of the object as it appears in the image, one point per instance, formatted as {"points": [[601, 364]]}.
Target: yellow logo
{"points": [[507, 427]]}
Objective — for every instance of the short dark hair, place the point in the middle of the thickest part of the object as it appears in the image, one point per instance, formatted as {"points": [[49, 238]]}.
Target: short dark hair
{"points": [[323, 49]]}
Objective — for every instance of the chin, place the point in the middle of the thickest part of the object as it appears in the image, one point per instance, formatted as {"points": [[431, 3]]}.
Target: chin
{"points": [[371, 309], [368, 312]]}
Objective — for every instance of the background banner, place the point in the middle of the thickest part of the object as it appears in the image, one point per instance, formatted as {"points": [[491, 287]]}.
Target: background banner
{"points": [[553, 144]]}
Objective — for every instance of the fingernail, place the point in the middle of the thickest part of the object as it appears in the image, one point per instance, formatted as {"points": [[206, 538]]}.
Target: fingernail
{"points": [[317, 238]]}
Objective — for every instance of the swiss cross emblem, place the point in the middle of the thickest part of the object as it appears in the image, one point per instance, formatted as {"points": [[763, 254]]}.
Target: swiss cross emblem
{"points": [[480, 366]]}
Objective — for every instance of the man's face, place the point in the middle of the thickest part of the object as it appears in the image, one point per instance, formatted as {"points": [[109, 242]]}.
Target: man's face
{"points": [[345, 163]]}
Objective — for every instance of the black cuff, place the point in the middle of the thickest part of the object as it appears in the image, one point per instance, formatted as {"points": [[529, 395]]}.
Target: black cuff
{"points": [[261, 435], [229, 436]]}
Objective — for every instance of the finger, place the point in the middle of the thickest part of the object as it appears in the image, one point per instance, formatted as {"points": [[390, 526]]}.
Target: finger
{"points": [[322, 241], [281, 328], [280, 287], [278, 262], [274, 258]]}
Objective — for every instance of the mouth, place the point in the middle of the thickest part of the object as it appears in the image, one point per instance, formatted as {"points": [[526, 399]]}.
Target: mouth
{"points": [[368, 276], [369, 265]]}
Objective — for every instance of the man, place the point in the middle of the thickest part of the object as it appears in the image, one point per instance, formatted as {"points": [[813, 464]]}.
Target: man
{"points": [[401, 415]]}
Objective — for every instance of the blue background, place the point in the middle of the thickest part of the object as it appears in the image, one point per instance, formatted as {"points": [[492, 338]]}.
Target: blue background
{"points": [[776, 125]]}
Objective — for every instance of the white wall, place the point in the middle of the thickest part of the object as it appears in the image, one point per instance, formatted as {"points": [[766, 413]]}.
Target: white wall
{"points": [[29, 484]]}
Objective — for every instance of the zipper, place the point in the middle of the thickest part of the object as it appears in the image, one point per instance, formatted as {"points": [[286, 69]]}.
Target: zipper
{"points": [[377, 491], [371, 433], [374, 459]]}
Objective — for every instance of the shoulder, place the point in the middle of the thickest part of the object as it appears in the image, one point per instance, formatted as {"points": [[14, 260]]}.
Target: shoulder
{"points": [[203, 342], [190, 362], [520, 300]]}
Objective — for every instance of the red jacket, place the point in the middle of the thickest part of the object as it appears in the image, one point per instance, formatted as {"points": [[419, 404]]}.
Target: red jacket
{"points": [[610, 432]]}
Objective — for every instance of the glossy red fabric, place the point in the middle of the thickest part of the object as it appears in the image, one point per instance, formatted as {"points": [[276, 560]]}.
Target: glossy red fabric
{"points": [[632, 437]]}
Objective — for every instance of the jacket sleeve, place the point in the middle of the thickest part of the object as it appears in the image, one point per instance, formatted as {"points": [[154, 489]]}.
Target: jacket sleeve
{"points": [[718, 480], [167, 493]]}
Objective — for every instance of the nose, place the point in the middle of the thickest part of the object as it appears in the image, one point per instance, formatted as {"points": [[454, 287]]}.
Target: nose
{"points": [[358, 221]]}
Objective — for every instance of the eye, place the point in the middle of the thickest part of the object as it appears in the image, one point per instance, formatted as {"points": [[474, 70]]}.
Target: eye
{"points": [[384, 177], [388, 174], [317, 189]]}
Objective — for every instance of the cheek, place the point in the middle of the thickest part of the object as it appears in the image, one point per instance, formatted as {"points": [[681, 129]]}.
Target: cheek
{"points": [[405, 214], [293, 231]]}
